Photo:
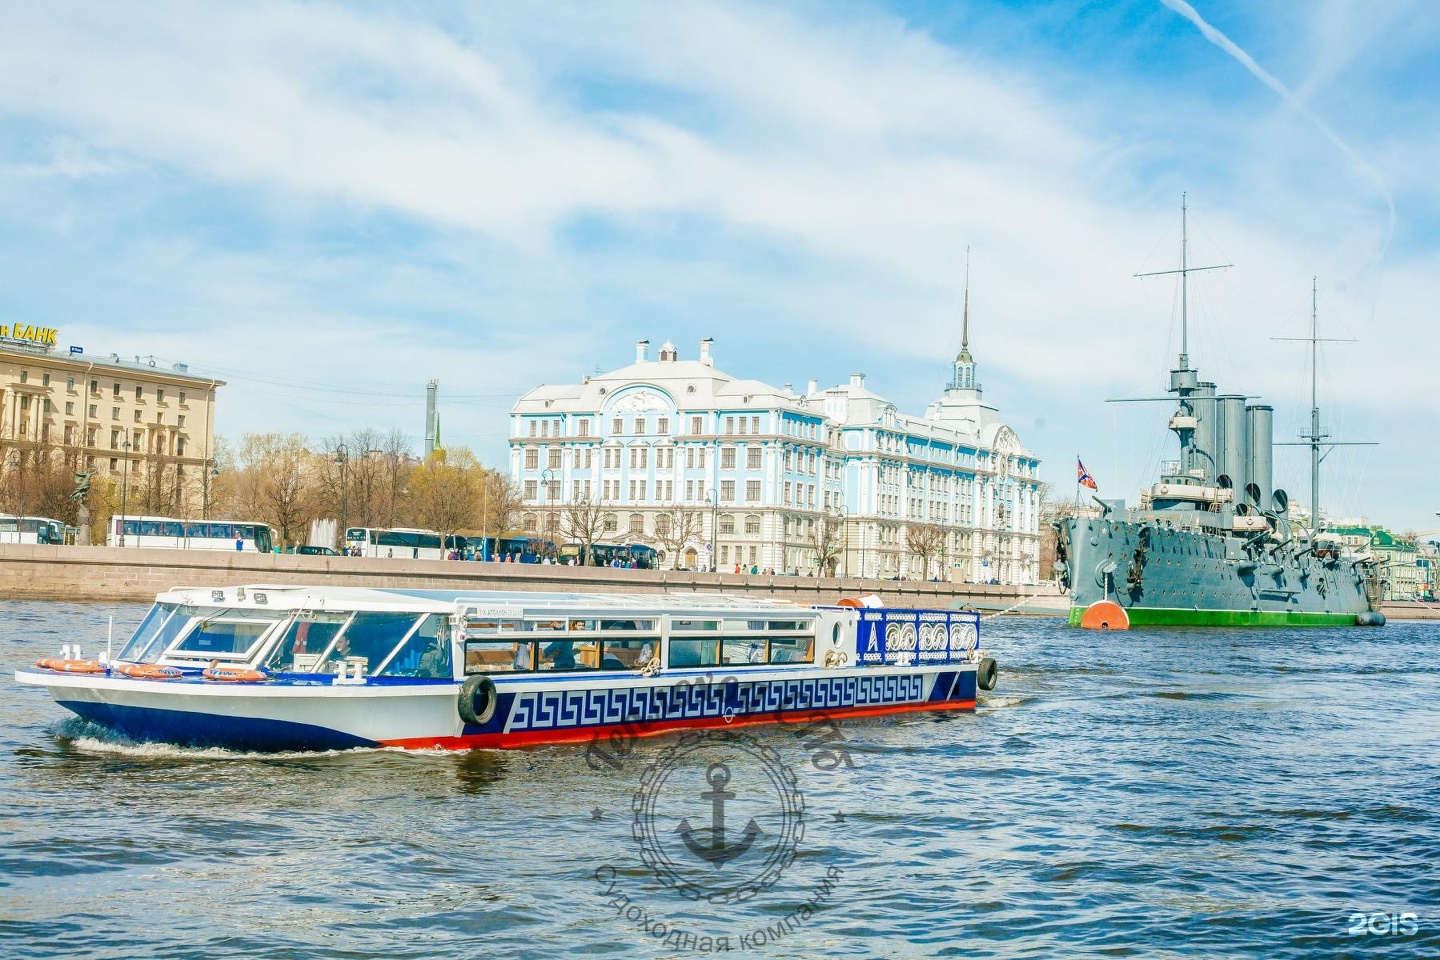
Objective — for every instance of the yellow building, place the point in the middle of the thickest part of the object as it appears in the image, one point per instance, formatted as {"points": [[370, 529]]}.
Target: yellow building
{"points": [[147, 425]]}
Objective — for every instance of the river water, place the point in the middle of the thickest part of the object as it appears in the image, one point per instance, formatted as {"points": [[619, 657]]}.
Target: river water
{"points": [[1158, 793]]}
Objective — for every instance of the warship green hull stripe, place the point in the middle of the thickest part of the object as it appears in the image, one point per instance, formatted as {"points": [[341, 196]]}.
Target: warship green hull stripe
{"points": [[1172, 617]]}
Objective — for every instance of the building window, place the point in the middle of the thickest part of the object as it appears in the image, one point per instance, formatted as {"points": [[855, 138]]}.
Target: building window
{"points": [[182, 398], [742, 425], [752, 458], [69, 383], [181, 418], [662, 525], [90, 437], [139, 394], [531, 489], [533, 428], [617, 426], [114, 464], [690, 458], [24, 376], [697, 425], [117, 391], [114, 439], [95, 387], [532, 457], [639, 426], [637, 523], [44, 379], [727, 491], [701, 459], [137, 416], [727, 523], [729, 425], [584, 428], [752, 491], [612, 523], [159, 395], [69, 408], [662, 426], [752, 523], [46, 405], [754, 424], [727, 458], [180, 447], [544, 428], [554, 458], [69, 434]]}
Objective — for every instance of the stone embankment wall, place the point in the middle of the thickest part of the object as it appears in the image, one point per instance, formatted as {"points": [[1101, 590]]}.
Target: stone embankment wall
{"points": [[106, 573]]}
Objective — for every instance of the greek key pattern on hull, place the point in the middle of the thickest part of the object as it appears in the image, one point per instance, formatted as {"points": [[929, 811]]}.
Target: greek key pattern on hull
{"points": [[559, 709]]}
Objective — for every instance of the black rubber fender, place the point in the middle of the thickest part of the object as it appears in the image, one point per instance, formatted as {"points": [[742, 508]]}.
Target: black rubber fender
{"points": [[477, 700], [987, 673]]}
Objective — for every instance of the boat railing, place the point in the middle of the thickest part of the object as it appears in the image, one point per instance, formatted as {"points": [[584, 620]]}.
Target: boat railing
{"points": [[905, 638]]}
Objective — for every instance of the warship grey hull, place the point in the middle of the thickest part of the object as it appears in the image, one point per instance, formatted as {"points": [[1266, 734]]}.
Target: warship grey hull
{"points": [[1161, 574]]}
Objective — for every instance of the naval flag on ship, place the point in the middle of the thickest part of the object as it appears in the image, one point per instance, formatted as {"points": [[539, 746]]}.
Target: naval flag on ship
{"points": [[1082, 476]]}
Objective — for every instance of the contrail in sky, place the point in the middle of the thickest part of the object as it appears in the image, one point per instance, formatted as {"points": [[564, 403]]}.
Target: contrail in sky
{"points": [[1225, 43]]}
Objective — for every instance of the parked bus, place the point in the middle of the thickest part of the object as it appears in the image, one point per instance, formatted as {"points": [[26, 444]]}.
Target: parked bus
{"points": [[513, 549], [41, 530], [405, 543], [604, 554], [169, 533]]}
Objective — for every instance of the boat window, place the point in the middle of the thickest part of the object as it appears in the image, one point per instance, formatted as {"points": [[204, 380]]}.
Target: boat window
{"points": [[156, 632], [627, 654], [304, 640], [234, 635], [791, 650], [742, 650], [570, 655], [700, 652], [426, 654], [688, 625], [369, 638], [499, 656], [646, 625]]}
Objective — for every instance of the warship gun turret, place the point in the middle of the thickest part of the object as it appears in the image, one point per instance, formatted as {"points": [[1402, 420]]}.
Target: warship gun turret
{"points": [[1213, 541]]}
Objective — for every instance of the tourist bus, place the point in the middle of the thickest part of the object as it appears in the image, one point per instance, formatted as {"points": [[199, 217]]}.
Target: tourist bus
{"points": [[605, 554], [248, 536], [40, 530], [401, 543], [513, 549]]}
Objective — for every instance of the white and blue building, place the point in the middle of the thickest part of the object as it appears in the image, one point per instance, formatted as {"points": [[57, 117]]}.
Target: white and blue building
{"points": [[754, 471]]}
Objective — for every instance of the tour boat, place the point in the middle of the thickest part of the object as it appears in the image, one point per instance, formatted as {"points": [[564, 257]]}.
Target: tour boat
{"points": [[313, 668]]}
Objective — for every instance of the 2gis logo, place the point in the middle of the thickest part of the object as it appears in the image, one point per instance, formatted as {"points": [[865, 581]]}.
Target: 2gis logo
{"points": [[1383, 924]]}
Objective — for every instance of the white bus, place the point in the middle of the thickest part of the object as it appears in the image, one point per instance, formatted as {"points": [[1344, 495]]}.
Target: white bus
{"points": [[31, 530], [171, 534], [401, 543]]}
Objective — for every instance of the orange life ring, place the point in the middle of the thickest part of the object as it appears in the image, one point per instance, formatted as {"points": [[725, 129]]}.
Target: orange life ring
{"points": [[149, 671], [71, 666], [234, 674]]}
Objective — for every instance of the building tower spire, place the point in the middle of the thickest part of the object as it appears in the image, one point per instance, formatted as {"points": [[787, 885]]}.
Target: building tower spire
{"points": [[964, 377]]}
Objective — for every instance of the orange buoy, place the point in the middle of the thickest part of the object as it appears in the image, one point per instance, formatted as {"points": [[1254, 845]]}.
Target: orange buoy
{"points": [[149, 671], [71, 666], [1105, 615], [234, 674]]}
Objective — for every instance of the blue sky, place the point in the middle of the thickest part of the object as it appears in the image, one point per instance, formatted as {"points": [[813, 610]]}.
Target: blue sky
{"points": [[327, 205]]}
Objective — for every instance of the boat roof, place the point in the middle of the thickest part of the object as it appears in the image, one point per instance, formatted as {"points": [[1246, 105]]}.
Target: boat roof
{"points": [[512, 603]]}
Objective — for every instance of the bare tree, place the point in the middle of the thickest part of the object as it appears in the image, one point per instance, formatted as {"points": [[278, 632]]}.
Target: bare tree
{"points": [[500, 504], [824, 539], [677, 526], [583, 521], [270, 477], [926, 541], [445, 491]]}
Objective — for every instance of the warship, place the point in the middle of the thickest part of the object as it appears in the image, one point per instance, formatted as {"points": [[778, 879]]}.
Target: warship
{"points": [[1213, 542]]}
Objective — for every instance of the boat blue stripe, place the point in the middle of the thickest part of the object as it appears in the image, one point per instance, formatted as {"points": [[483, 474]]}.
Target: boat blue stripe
{"points": [[204, 730]]}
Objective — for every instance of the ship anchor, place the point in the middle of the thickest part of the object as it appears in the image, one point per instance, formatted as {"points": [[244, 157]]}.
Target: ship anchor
{"points": [[717, 854]]}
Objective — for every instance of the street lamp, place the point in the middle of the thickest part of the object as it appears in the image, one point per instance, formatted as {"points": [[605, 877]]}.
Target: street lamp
{"points": [[19, 462], [211, 472], [845, 544], [342, 460], [547, 478], [124, 489], [713, 495]]}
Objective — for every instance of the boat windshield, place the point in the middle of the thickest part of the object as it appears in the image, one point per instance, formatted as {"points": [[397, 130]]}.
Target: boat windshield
{"points": [[369, 639], [304, 640], [226, 634], [156, 632]]}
